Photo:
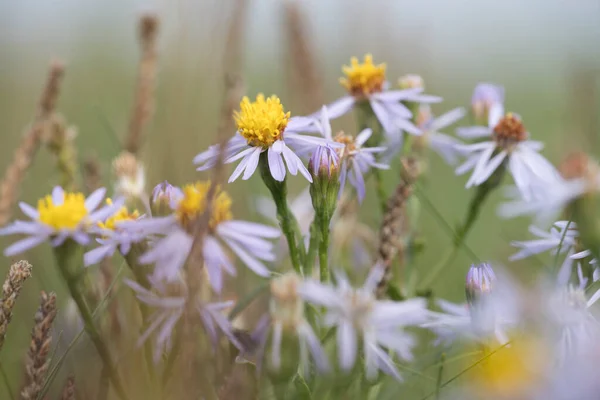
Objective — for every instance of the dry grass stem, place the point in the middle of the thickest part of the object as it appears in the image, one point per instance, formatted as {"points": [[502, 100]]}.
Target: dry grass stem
{"points": [[24, 154], [17, 275], [305, 74], [394, 221], [143, 106], [37, 362]]}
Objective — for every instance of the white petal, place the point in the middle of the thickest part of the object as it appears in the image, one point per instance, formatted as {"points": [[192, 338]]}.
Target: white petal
{"points": [[94, 199], [363, 136], [58, 195], [346, 345], [491, 167], [276, 165], [447, 119], [473, 132], [252, 163], [241, 166]]}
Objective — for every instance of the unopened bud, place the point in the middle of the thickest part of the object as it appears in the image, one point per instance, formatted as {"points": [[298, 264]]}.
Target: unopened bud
{"points": [[486, 97], [324, 166], [164, 199], [480, 282]]}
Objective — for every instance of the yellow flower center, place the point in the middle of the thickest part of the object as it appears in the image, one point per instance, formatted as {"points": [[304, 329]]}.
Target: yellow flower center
{"points": [[347, 141], [122, 215], [193, 204], [261, 122], [67, 215], [363, 79], [510, 371]]}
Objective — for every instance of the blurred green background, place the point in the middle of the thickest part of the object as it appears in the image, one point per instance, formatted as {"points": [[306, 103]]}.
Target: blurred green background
{"points": [[545, 52]]}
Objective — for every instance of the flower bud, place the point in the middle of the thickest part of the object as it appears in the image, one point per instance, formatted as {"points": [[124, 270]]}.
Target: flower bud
{"points": [[164, 199], [324, 166], [486, 96], [480, 282], [411, 81]]}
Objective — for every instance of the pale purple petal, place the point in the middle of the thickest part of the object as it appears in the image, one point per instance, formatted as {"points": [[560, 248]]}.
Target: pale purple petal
{"points": [[276, 165], [446, 119], [491, 167], [94, 199], [474, 132], [98, 254], [241, 166], [276, 346], [406, 126], [241, 154], [396, 95], [58, 195], [247, 259], [252, 163], [253, 228], [346, 337], [385, 119], [484, 158], [24, 245], [29, 210], [340, 107], [363, 136]]}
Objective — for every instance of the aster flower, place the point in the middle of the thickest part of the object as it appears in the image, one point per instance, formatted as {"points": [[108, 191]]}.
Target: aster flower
{"points": [[245, 239], [379, 323], [264, 126], [286, 317], [509, 144], [366, 82], [169, 308], [58, 217], [431, 137], [113, 236], [356, 160]]}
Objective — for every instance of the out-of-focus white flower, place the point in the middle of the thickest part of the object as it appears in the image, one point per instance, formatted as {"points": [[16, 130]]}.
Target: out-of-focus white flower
{"points": [[58, 217], [286, 317], [357, 314], [131, 177]]}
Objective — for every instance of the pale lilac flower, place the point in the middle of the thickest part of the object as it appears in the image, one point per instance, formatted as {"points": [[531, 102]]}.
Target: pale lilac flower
{"points": [[366, 82], [443, 144], [357, 314], [164, 199], [356, 160], [169, 252], [168, 311], [263, 126], [59, 217], [509, 145]]}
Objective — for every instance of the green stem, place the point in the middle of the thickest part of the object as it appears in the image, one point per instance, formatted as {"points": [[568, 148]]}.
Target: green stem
{"points": [[324, 249], [67, 257], [313, 245], [287, 221], [440, 376], [380, 189]]}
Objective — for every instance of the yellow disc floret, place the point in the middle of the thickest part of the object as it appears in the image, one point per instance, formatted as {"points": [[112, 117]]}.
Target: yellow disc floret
{"points": [[261, 122], [193, 204], [364, 78], [122, 215], [68, 215]]}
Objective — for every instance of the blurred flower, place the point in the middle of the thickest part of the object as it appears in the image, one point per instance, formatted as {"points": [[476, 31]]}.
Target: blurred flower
{"points": [[357, 313], [286, 317], [262, 126], [170, 252], [509, 144], [431, 137], [58, 217], [113, 236], [169, 309], [486, 101], [366, 82]]}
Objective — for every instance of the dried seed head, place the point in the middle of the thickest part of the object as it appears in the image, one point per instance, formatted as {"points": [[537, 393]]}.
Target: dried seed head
{"points": [[509, 131], [68, 392], [37, 362], [125, 165], [576, 165], [17, 275], [411, 81]]}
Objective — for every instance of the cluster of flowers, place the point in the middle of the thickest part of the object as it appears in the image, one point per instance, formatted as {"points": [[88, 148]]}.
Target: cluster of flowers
{"points": [[270, 140]]}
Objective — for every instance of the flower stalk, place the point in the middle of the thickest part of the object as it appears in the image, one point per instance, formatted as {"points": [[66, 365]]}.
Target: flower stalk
{"points": [[287, 221], [68, 259]]}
